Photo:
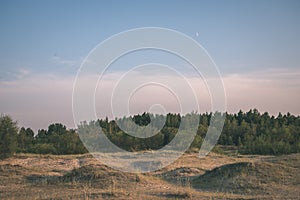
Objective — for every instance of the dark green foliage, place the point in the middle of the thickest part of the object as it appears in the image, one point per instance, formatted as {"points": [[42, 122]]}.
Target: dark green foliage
{"points": [[8, 136], [56, 140], [250, 132], [256, 133], [131, 143], [25, 140], [43, 148], [142, 120]]}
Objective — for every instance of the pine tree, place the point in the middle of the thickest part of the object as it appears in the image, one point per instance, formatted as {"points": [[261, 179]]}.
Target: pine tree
{"points": [[8, 136]]}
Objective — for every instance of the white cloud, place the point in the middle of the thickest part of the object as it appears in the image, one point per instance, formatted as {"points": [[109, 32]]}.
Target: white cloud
{"points": [[268, 90], [66, 62], [21, 73], [38, 100], [18, 73]]}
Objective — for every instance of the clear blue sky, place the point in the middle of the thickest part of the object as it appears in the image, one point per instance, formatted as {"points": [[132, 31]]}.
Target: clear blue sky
{"points": [[52, 37], [239, 35]]}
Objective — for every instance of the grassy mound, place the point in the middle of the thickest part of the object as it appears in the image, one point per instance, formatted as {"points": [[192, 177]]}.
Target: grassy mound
{"points": [[93, 175], [98, 174], [247, 178], [227, 178]]}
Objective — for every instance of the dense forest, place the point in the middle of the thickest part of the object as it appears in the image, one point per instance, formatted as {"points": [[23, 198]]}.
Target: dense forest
{"points": [[250, 132]]}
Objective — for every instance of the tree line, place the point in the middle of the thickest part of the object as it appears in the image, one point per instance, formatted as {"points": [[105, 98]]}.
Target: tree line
{"points": [[251, 132], [57, 139]]}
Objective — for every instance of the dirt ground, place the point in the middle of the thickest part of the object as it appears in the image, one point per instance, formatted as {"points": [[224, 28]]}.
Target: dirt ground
{"points": [[29, 176]]}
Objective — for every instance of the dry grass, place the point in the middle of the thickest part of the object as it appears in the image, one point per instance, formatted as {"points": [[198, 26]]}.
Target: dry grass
{"points": [[28, 176]]}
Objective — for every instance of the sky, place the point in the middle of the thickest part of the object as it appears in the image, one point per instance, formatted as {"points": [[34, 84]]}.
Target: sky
{"points": [[255, 45]]}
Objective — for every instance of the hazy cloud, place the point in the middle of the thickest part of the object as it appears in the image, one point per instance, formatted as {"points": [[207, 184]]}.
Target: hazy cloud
{"points": [[66, 62], [38, 100]]}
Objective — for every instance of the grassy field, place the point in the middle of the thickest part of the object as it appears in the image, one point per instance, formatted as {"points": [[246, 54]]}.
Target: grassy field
{"points": [[217, 176]]}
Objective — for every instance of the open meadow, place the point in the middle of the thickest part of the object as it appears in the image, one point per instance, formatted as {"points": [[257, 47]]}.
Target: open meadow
{"points": [[217, 176]]}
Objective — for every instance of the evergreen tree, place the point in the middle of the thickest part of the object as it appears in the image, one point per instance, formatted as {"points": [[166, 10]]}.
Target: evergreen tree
{"points": [[25, 140], [8, 136]]}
